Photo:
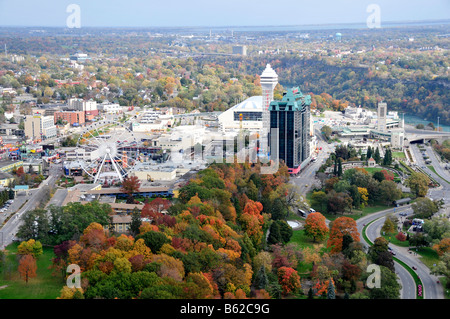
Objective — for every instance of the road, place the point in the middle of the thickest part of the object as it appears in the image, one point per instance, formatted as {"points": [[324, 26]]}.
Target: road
{"points": [[373, 231], [307, 177], [9, 230]]}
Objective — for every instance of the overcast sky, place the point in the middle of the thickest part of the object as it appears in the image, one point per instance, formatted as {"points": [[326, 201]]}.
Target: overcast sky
{"points": [[154, 13]]}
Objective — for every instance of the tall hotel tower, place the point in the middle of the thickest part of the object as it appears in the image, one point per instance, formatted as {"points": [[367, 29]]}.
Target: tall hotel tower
{"points": [[269, 80], [291, 116]]}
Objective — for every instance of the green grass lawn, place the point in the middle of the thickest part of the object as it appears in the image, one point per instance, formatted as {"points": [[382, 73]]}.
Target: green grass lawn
{"points": [[373, 170], [398, 155], [43, 286], [303, 241], [428, 256]]}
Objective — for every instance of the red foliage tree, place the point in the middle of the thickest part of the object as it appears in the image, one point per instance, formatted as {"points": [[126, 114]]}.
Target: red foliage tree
{"points": [[289, 280], [130, 185]]}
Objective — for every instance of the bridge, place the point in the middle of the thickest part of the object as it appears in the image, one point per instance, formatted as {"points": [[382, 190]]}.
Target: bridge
{"points": [[420, 136]]}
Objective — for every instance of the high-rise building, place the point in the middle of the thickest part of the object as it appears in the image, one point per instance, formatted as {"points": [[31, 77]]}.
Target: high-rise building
{"points": [[381, 116], [291, 116], [268, 80], [39, 127]]}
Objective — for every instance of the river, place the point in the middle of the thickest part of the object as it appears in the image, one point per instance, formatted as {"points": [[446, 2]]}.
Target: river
{"points": [[414, 120]]}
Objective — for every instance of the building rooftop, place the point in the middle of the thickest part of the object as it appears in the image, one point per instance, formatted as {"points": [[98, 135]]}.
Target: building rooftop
{"points": [[253, 103]]}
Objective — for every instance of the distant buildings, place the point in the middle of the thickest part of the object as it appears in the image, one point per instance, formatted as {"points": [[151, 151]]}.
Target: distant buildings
{"points": [[74, 118], [110, 108], [240, 50], [88, 107], [80, 57]]}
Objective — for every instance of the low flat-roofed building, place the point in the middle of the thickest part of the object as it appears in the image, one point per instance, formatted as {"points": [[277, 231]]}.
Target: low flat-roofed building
{"points": [[6, 179], [119, 223], [9, 166], [143, 191]]}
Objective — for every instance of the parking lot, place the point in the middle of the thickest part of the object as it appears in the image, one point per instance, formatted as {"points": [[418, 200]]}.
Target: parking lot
{"points": [[12, 207]]}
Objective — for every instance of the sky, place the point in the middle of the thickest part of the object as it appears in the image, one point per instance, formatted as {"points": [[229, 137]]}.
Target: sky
{"points": [[215, 13]]}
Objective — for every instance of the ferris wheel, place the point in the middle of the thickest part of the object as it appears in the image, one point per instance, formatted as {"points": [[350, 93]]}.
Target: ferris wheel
{"points": [[107, 150]]}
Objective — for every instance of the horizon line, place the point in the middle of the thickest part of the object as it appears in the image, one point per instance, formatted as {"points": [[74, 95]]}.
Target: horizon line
{"points": [[229, 26]]}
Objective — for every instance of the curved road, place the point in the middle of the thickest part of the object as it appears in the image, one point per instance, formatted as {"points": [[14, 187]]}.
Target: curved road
{"points": [[431, 290]]}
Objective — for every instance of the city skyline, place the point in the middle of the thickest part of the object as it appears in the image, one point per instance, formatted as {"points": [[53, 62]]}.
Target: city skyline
{"points": [[137, 13]]}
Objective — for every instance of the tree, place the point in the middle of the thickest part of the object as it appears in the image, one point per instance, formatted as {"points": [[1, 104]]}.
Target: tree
{"points": [[331, 294], [400, 236], [338, 202], [35, 225], [27, 267], [377, 156], [261, 280], [30, 247], [130, 186], [437, 228], [387, 160], [380, 255], [274, 234], [326, 131], [379, 176], [319, 201], [418, 183], [289, 280], [424, 207], [388, 226], [389, 286], [135, 221], [443, 268], [389, 191], [340, 227], [369, 152], [154, 240], [316, 227]]}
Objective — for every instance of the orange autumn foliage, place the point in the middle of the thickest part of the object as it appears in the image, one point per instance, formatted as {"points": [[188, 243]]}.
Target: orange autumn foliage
{"points": [[27, 267], [340, 227]]}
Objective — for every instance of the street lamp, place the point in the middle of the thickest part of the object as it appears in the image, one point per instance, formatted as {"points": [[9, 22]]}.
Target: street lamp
{"points": [[438, 125]]}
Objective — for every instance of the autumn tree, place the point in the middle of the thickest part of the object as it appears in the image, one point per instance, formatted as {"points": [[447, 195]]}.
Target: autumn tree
{"points": [[418, 183], [289, 280], [130, 186], [27, 267], [442, 247], [30, 247], [340, 227], [316, 227]]}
